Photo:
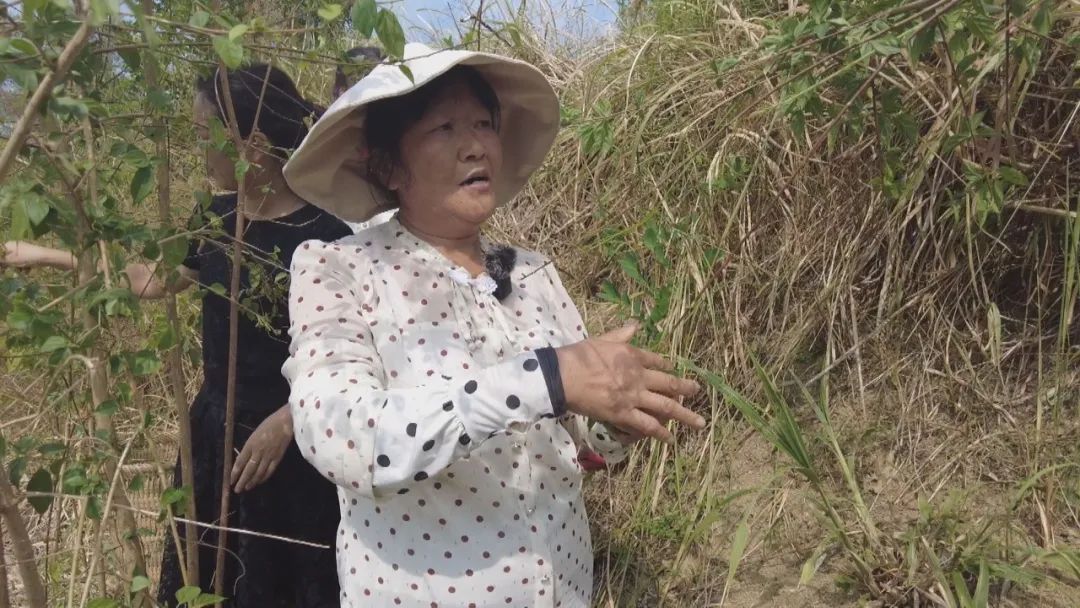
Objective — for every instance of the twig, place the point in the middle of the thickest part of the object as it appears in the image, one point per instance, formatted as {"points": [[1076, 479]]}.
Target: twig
{"points": [[173, 361], [5, 599], [26, 121], [109, 499], [33, 585]]}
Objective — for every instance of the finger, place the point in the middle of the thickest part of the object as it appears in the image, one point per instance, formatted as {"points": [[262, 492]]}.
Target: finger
{"points": [[247, 475], [647, 426], [666, 384], [261, 475], [266, 473], [659, 406], [239, 464], [624, 334], [652, 360]]}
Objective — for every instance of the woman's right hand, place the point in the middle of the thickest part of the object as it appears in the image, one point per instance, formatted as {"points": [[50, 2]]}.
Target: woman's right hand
{"points": [[631, 389]]}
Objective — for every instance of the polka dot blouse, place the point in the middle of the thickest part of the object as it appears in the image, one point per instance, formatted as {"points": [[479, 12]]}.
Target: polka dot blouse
{"points": [[430, 404]]}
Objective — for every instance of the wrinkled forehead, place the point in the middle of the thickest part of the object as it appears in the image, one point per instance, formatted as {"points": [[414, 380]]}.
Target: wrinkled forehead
{"points": [[453, 96]]}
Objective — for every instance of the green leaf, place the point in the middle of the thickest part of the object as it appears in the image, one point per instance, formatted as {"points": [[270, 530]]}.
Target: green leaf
{"points": [[160, 100], [812, 564], [738, 546], [364, 15], [982, 586], [16, 470], [720, 66], [629, 264], [237, 31], [107, 407], [390, 33], [23, 46], [230, 51], [94, 507], [74, 479], [53, 448], [139, 583], [137, 483], [610, 294], [175, 497], [329, 12], [164, 338], [921, 42], [173, 251], [54, 343], [35, 207], [20, 223], [1013, 176], [199, 19], [885, 46], [41, 482], [408, 73], [187, 594], [26, 78], [242, 166], [142, 184], [144, 363], [205, 599], [102, 10], [103, 602], [1043, 19], [68, 107]]}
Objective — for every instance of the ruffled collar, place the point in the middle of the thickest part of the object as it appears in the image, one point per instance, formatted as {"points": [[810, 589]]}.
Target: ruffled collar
{"points": [[499, 261]]}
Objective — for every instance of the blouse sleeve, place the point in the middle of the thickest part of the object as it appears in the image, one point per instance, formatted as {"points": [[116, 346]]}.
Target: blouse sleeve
{"points": [[376, 440], [596, 436]]}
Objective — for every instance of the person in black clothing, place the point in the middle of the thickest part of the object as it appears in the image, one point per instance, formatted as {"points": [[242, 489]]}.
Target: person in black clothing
{"points": [[276, 491]]}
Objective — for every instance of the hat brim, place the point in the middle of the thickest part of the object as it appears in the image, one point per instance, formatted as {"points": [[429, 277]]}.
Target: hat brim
{"points": [[329, 168]]}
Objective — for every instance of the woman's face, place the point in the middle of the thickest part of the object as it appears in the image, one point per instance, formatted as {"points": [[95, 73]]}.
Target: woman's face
{"points": [[450, 160], [219, 168]]}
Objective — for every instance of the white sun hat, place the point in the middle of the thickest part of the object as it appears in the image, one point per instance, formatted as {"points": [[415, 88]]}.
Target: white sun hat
{"points": [[329, 168]]}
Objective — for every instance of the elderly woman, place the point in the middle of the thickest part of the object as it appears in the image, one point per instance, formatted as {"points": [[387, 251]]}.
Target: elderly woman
{"points": [[441, 381]]}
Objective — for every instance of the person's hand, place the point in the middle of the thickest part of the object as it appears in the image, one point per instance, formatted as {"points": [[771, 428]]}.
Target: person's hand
{"points": [[631, 389], [20, 254], [263, 451]]}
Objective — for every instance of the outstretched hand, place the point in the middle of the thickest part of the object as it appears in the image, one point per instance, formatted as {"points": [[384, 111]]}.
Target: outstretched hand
{"points": [[631, 389]]}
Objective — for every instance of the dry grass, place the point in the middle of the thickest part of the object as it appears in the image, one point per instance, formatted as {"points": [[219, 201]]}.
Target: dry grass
{"points": [[942, 348]]}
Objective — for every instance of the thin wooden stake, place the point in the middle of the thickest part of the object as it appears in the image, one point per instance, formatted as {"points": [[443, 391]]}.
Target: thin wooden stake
{"points": [[173, 358], [33, 585]]}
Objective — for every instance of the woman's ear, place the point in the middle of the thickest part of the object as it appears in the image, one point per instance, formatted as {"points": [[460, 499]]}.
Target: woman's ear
{"points": [[260, 152]]}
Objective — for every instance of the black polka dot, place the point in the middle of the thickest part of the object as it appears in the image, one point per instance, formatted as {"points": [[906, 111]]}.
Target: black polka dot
{"points": [[470, 386], [383, 460], [430, 443], [531, 365], [421, 476], [411, 429], [449, 405], [465, 439], [513, 402]]}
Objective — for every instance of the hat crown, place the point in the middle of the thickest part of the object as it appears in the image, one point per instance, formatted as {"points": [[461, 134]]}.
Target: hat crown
{"points": [[329, 168]]}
